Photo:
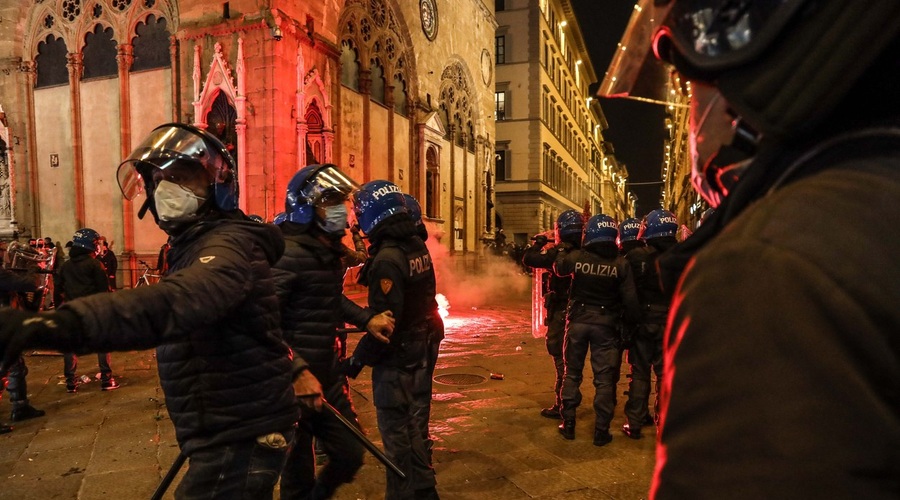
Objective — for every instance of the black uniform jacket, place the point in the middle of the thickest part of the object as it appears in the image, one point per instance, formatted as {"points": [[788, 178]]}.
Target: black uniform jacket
{"points": [[400, 277], [557, 292], [81, 275], [784, 341], [223, 366], [310, 280], [598, 282]]}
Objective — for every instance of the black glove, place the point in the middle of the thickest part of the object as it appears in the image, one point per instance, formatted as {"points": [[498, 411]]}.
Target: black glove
{"points": [[349, 367], [20, 330], [540, 240]]}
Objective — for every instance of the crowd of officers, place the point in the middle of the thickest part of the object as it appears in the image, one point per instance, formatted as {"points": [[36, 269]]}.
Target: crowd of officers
{"points": [[249, 324], [602, 296]]}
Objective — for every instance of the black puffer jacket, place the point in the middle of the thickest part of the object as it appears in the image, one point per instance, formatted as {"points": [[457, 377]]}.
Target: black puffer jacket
{"points": [[310, 280], [81, 275], [223, 366]]}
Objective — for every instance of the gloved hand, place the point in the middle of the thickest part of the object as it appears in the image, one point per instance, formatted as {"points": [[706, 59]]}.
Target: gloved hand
{"points": [[20, 330], [540, 240]]}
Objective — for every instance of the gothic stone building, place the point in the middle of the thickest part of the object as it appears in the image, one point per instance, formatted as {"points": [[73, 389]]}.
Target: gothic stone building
{"points": [[386, 89]]}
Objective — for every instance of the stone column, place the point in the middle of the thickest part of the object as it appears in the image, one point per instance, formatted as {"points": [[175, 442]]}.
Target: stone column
{"points": [[30, 70], [125, 58], [75, 64], [395, 173], [365, 88]]}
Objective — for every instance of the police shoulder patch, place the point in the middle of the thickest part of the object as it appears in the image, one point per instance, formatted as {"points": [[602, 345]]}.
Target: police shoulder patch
{"points": [[207, 259], [386, 286]]}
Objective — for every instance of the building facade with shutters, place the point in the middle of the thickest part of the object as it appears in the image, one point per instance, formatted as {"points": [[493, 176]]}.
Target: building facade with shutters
{"points": [[550, 152]]}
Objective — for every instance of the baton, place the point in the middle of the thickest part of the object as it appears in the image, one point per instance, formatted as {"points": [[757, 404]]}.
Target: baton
{"points": [[169, 477], [369, 445]]}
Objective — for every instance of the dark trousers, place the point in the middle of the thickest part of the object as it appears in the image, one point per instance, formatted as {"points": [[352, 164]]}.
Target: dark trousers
{"points": [[14, 382], [600, 339], [345, 453], [645, 353], [246, 469], [556, 333], [402, 397], [70, 366], [434, 347]]}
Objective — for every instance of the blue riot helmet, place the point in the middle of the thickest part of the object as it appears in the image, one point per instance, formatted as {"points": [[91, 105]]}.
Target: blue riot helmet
{"points": [[600, 229], [658, 224], [629, 229], [280, 218], [316, 186], [415, 210], [186, 162], [569, 226], [86, 238], [375, 201]]}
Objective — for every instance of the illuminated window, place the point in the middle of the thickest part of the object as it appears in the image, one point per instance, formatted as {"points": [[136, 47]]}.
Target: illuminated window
{"points": [[499, 106]]}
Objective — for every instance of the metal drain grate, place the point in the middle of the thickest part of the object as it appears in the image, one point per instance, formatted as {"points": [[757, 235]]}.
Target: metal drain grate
{"points": [[459, 379]]}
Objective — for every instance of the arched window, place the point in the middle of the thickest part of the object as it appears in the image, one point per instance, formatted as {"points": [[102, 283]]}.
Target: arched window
{"points": [[314, 139], [377, 88], [349, 66], [151, 45], [221, 120], [432, 183], [400, 96], [100, 54], [51, 63]]}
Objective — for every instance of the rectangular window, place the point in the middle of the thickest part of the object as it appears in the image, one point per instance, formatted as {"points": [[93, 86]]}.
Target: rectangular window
{"points": [[499, 5], [500, 49], [500, 167], [499, 106]]}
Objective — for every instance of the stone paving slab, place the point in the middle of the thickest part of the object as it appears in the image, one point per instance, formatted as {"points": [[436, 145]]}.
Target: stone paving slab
{"points": [[490, 440]]}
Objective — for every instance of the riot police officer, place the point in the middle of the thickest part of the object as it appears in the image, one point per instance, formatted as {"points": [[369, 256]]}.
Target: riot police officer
{"points": [[602, 290], [569, 226], [400, 278], [309, 280], [658, 231], [223, 365], [628, 235], [781, 348]]}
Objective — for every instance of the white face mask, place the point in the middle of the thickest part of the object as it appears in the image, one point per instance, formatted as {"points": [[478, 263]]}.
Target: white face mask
{"points": [[174, 201], [335, 219]]}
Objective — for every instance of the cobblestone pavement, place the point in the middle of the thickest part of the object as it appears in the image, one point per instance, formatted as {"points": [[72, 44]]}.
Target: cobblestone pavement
{"points": [[490, 440]]}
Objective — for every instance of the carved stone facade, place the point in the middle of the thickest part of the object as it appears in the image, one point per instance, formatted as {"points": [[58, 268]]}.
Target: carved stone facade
{"points": [[360, 83]]}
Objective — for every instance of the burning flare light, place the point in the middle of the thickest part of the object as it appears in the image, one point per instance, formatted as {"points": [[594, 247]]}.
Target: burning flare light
{"points": [[443, 305]]}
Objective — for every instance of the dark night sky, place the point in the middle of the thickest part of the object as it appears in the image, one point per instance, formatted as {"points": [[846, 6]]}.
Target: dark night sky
{"points": [[636, 129]]}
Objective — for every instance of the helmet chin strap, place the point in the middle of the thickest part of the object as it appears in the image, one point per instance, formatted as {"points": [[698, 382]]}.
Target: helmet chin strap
{"points": [[146, 206]]}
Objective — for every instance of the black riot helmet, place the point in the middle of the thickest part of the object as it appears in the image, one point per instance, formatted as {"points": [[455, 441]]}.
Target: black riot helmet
{"points": [[783, 65], [785, 69], [178, 152]]}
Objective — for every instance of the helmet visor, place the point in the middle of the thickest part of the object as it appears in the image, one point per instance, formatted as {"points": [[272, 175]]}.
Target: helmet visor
{"points": [[709, 35], [171, 146], [327, 187]]}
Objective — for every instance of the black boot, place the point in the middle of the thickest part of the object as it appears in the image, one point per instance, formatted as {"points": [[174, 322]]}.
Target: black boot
{"points": [[601, 437], [632, 431], [5, 428], [552, 412], [567, 428], [23, 411]]}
